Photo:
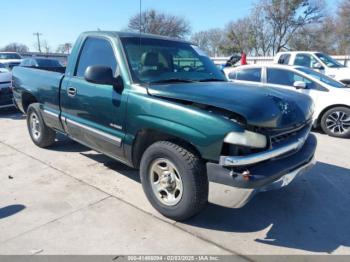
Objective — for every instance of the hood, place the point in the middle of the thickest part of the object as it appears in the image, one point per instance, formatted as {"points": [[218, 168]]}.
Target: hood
{"points": [[260, 106], [339, 73]]}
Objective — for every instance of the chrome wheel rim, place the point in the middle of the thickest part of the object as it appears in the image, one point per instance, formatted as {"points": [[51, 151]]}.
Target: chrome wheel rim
{"points": [[338, 122], [35, 126], [166, 182]]}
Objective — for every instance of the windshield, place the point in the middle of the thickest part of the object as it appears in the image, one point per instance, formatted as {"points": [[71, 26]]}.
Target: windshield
{"points": [[9, 56], [329, 61], [323, 78], [2, 66], [48, 63], [160, 61]]}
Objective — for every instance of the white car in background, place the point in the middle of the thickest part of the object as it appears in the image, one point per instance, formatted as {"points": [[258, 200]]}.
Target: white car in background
{"points": [[10, 59], [316, 60], [331, 98]]}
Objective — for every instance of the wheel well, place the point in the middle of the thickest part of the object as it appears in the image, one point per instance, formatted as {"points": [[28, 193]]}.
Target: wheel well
{"points": [[147, 137], [27, 99], [326, 109]]}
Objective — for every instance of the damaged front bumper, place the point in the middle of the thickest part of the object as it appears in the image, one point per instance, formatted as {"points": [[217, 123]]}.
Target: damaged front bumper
{"points": [[265, 173]]}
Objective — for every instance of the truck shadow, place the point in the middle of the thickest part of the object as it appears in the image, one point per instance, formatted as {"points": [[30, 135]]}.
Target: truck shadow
{"points": [[10, 210], [311, 214], [65, 144], [110, 163]]}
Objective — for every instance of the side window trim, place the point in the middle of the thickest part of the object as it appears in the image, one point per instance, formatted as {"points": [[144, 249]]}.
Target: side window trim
{"points": [[81, 51]]}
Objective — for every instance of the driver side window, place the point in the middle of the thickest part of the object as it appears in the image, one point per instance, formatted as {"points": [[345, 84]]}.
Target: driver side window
{"points": [[96, 51]]}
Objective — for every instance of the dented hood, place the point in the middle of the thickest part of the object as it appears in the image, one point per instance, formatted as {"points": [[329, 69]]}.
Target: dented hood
{"points": [[261, 106]]}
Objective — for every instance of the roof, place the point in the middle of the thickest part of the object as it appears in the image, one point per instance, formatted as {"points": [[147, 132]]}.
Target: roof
{"points": [[295, 52], [134, 34]]}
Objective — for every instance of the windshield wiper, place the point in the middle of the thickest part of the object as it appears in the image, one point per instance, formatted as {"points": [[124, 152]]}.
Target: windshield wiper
{"points": [[212, 80], [172, 80]]}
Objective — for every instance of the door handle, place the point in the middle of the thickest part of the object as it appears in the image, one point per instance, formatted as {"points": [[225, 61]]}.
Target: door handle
{"points": [[71, 91]]}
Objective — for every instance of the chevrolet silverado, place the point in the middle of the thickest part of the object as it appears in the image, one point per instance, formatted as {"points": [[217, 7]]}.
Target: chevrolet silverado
{"points": [[160, 105]]}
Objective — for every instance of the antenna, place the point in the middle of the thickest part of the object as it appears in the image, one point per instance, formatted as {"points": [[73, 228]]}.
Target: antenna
{"points": [[37, 34], [140, 22]]}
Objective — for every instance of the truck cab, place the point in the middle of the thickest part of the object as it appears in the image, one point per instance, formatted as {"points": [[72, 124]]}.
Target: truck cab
{"points": [[318, 61]]}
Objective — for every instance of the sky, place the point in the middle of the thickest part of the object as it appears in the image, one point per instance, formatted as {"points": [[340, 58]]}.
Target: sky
{"points": [[61, 21]]}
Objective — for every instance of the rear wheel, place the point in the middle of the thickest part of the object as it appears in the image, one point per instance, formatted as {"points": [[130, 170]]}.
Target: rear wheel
{"points": [[336, 122], [41, 135], [174, 180]]}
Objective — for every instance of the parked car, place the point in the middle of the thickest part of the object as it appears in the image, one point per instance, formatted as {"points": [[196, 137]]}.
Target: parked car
{"points": [[43, 63], [332, 98], [318, 61], [10, 59], [161, 105], [6, 98]]}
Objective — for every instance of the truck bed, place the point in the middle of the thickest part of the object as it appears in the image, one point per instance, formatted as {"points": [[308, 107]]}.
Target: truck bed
{"points": [[42, 84]]}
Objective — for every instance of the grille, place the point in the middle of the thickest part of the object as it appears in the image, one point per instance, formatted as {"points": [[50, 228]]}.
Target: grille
{"points": [[279, 139]]}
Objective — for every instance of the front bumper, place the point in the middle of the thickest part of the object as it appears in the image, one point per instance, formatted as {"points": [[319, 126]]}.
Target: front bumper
{"points": [[266, 175]]}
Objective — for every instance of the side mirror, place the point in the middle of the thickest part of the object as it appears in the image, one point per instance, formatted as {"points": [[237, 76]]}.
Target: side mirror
{"points": [[99, 75], [299, 84], [103, 75], [317, 66]]}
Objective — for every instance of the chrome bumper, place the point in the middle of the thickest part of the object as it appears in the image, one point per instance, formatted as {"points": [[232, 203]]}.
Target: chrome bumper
{"points": [[238, 197], [233, 161], [236, 188]]}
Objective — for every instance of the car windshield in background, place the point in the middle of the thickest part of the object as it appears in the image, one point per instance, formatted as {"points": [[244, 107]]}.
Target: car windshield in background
{"points": [[323, 78], [48, 63], [2, 66], [9, 56], [329, 61], [165, 61]]}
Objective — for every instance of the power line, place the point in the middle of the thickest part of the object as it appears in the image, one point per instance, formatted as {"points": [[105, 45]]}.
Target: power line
{"points": [[37, 34]]}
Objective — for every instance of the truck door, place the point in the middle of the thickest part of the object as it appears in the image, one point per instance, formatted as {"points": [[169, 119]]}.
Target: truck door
{"points": [[93, 114]]}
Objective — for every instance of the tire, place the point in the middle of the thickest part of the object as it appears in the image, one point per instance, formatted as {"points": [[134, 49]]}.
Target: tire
{"points": [[188, 192], [41, 135], [336, 122]]}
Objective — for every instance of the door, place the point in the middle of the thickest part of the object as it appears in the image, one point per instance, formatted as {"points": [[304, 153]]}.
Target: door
{"points": [[94, 114]]}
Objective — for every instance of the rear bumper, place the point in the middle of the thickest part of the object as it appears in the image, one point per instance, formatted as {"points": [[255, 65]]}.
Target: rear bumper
{"points": [[264, 176]]}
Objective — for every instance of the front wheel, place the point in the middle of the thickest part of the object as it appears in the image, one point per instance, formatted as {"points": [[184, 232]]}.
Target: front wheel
{"points": [[174, 180], [41, 135], [336, 122]]}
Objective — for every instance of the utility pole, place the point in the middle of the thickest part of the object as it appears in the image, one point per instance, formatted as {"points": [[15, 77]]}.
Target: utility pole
{"points": [[37, 34]]}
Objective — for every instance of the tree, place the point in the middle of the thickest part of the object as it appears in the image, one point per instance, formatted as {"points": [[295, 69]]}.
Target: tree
{"points": [[210, 41], [321, 37], [155, 22], [64, 48], [260, 33], [285, 17], [45, 46], [343, 27], [15, 47], [238, 37]]}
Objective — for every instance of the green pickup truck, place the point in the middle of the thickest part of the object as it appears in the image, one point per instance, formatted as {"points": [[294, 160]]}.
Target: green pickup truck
{"points": [[160, 105]]}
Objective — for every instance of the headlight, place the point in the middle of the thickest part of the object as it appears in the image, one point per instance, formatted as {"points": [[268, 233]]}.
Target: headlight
{"points": [[246, 138]]}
